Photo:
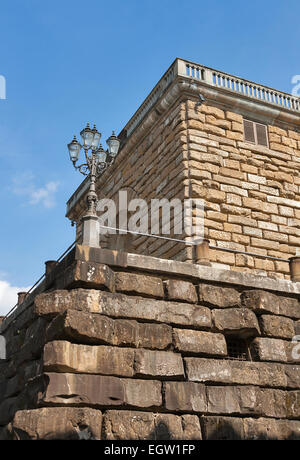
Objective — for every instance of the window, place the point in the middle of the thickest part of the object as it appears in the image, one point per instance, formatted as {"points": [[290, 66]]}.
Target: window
{"points": [[238, 349], [256, 133]]}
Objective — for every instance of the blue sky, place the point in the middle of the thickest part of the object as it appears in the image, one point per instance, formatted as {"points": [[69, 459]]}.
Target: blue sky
{"points": [[68, 62]]}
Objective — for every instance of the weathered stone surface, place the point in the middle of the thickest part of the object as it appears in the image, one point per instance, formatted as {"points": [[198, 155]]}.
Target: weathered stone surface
{"points": [[221, 428], [133, 283], [142, 393], [185, 397], [123, 306], [129, 425], [62, 356], [151, 335], [293, 404], [98, 391], [260, 301], [235, 372], [155, 310], [88, 274], [233, 400], [199, 342], [92, 328], [52, 303], [277, 326], [297, 327], [218, 296], [266, 302], [241, 321], [51, 423], [269, 349], [273, 403], [158, 364], [28, 344], [181, 290], [293, 375]]}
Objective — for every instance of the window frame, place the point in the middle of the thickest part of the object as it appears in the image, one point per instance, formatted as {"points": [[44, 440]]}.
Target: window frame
{"points": [[255, 132]]}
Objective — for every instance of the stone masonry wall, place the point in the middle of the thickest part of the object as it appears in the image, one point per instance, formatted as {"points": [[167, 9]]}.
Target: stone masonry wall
{"points": [[251, 192], [112, 352]]}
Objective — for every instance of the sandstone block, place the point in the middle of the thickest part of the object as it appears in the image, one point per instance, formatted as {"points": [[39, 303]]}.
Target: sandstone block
{"points": [[92, 328], [88, 274], [218, 296], [181, 290], [293, 404], [124, 306], [236, 320], [53, 423], [222, 428], [185, 397], [99, 391], [277, 326], [233, 400], [132, 283], [129, 425], [158, 364], [237, 372], [199, 342], [260, 301], [269, 349], [62, 356]]}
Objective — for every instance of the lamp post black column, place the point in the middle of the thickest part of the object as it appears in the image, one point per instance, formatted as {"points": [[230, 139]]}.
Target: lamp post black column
{"points": [[95, 164]]}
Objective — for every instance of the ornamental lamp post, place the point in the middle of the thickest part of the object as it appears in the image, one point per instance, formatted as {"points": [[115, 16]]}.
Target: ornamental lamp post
{"points": [[97, 161]]}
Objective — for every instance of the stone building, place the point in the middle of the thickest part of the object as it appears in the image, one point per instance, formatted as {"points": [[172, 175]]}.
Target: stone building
{"points": [[238, 149], [146, 343]]}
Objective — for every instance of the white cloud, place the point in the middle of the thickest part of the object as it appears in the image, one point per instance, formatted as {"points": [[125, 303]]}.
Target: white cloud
{"points": [[23, 185], [8, 296]]}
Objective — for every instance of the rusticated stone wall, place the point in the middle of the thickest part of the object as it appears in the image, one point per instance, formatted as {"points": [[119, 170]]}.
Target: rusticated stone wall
{"points": [[251, 192], [118, 346]]}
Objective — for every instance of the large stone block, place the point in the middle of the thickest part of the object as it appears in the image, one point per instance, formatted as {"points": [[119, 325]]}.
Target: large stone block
{"points": [[185, 397], [133, 283], [88, 274], [232, 428], [123, 306], [99, 391], [119, 305], [53, 423], [233, 400], [92, 328], [132, 425], [269, 349], [241, 321], [236, 372], [217, 296], [293, 404], [181, 290], [158, 364], [266, 302], [277, 326], [200, 342], [62, 356], [292, 375], [260, 301]]}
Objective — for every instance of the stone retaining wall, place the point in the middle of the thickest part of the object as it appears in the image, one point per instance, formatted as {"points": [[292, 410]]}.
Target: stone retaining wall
{"points": [[112, 352]]}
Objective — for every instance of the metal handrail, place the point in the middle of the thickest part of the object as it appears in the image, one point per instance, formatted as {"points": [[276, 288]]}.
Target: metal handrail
{"points": [[42, 277]]}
